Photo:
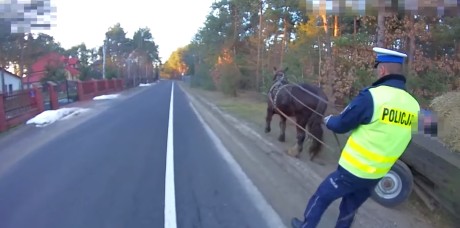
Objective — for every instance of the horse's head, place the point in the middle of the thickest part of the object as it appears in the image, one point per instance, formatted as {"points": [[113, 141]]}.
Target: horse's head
{"points": [[279, 75]]}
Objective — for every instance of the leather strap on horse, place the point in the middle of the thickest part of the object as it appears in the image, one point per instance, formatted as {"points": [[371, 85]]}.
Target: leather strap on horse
{"points": [[287, 117], [319, 100], [295, 98]]}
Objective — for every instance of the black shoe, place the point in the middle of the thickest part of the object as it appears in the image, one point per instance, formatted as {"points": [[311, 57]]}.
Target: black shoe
{"points": [[296, 223]]}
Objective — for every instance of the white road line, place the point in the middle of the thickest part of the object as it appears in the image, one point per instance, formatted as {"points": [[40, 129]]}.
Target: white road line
{"points": [[170, 195], [272, 219]]}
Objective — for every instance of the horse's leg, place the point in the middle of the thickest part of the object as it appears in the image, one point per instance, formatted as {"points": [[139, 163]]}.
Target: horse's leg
{"points": [[268, 119], [315, 128], [282, 137], [300, 126], [302, 122]]}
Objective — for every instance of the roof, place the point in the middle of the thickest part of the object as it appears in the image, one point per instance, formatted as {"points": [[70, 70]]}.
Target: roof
{"points": [[9, 72], [72, 60], [38, 69]]}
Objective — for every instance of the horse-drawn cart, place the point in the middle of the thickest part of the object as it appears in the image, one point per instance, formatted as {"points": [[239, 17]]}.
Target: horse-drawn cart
{"points": [[428, 168]]}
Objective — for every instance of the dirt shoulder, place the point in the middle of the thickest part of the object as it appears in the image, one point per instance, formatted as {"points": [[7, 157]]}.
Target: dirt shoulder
{"points": [[286, 182]]}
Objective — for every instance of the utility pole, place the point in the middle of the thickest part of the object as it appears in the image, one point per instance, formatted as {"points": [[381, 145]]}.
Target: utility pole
{"points": [[103, 59]]}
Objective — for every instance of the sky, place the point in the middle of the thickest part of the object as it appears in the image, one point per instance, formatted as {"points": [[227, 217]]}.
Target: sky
{"points": [[173, 23]]}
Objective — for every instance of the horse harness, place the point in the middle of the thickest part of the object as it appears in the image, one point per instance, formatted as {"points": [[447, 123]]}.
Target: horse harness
{"points": [[275, 89], [280, 84]]}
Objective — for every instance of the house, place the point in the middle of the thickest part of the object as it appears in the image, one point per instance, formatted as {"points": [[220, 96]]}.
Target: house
{"points": [[9, 81], [38, 69], [96, 66]]}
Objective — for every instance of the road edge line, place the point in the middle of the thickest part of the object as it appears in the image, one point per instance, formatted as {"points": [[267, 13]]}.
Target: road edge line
{"points": [[268, 213], [170, 219]]}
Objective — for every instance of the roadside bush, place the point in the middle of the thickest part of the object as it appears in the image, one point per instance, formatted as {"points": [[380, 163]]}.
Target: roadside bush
{"points": [[229, 79], [202, 79], [447, 109]]}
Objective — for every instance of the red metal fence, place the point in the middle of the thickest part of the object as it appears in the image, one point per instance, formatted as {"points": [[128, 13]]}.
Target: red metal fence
{"points": [[20, 106], [88, 89]]}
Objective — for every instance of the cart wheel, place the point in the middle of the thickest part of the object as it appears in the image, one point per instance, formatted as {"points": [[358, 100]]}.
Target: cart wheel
{"points": [[395, 187]]}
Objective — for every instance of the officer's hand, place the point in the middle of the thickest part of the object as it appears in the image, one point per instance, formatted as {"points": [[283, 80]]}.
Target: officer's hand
{"points": [[326, 119]]}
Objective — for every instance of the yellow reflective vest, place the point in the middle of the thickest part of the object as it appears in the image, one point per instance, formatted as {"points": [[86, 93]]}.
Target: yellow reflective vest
{"points": [[373, 148]]}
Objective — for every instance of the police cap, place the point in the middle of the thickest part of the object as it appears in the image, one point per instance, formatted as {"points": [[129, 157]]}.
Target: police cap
{"points": [[388, 56]]}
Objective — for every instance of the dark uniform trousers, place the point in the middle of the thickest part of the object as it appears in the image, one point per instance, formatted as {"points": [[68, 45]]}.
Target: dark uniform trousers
{"points": [[353, 190]]}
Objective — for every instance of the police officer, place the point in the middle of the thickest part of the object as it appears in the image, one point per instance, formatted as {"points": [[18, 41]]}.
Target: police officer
{"points": [[381, 119]]}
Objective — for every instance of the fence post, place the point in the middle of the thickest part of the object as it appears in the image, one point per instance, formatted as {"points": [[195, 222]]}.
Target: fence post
{"points": [[53, 96], [2, 114], [122, 86], [107, 90], [39, 99], [96, 91], [80, 92]]}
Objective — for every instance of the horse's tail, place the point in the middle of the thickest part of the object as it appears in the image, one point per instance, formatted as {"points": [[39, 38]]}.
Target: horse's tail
{"points": [[315, 124]]}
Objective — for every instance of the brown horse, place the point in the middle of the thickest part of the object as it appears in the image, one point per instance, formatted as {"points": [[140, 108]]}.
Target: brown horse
{"points": [[292, 99]]}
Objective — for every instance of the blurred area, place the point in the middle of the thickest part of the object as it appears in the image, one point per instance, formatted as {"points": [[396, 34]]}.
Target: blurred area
{"points": [[428, 123]]}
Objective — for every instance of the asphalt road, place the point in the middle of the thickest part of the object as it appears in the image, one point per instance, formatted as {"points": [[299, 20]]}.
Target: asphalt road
{"points": [[110, 171]]}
